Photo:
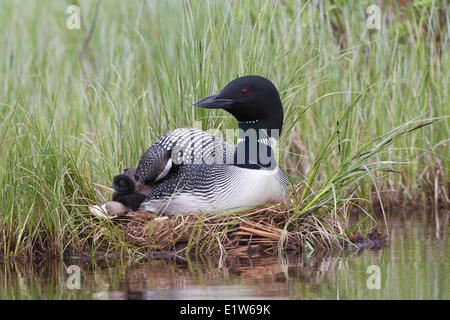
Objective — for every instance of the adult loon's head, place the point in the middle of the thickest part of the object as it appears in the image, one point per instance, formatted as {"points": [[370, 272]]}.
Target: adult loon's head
{"points": [[253, 100]]}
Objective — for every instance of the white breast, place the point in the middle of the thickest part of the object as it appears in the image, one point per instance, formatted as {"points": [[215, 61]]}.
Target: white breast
{"points": [[250, 187], [239, 188]]}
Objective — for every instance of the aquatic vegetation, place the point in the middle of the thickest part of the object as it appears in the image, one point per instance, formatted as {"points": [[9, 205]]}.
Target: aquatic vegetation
{"points": [[366, 111], [415, 266]]}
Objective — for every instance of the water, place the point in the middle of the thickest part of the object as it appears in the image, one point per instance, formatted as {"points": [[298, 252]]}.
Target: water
{"points": [[414, 266]]}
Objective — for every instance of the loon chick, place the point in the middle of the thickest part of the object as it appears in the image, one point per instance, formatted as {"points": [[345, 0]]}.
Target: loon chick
{"points": [[126, 192], [192, 171], [139, 187]]}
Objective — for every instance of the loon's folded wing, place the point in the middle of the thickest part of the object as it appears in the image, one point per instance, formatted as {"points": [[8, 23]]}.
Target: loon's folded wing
{"points": [[179, 147], [154, 164]]}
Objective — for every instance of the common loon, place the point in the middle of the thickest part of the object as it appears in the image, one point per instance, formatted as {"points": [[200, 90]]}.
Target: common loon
{"points": [[191, 171]]}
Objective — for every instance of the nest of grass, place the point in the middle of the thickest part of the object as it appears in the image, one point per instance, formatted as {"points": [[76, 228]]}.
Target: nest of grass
{"points": [[261, 229]]}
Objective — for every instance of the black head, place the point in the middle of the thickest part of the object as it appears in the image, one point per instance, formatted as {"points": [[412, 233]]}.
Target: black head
{"points": [[248, 99], [122, 183]]}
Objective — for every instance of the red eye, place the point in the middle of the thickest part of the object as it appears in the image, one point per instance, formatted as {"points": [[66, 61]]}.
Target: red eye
{"points": [[244, 92]]}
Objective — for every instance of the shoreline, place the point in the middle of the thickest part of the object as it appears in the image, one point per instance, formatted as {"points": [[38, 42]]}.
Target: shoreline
{"points": [[357, 241]]}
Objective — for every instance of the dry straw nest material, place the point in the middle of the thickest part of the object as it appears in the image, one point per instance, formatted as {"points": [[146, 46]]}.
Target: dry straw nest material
{"points": [[260, 229]]}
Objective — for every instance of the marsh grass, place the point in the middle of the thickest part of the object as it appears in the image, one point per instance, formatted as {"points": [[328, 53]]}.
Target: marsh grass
{"points": [[69, 122]]}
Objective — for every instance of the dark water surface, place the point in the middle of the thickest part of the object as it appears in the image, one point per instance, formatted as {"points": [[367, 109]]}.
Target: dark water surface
{"points": [[413, 266]]}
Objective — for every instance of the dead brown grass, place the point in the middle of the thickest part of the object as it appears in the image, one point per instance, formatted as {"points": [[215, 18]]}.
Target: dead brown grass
{"points": [[263, 229]]}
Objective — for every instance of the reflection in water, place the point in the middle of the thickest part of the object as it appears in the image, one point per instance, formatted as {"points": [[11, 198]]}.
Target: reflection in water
{"points": [[414, 266]]}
